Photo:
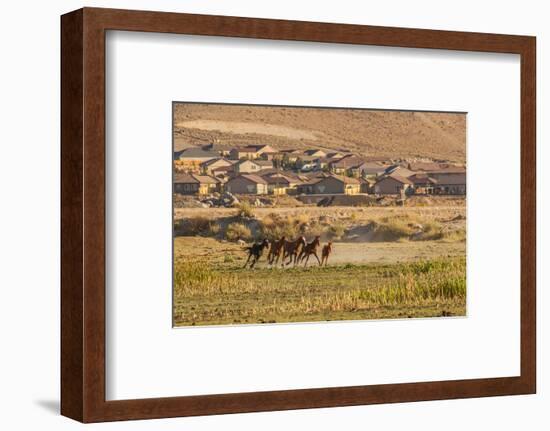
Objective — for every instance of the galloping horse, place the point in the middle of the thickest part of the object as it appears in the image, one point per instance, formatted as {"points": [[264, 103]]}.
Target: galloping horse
{"points": [[291, 249], [310, 249], [255, 251], [325, 252], [276, 251]]}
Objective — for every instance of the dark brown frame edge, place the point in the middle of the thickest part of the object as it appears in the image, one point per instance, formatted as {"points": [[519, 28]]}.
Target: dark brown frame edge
{"points": [[83, 216]]}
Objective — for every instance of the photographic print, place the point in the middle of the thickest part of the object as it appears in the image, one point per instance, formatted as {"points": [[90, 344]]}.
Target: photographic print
{"points": [[306, 214]]}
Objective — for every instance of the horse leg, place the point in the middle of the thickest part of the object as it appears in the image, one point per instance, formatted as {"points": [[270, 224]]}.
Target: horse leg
{"points": [[317, 257], [246, 263], [254, 260], [305, 264]]}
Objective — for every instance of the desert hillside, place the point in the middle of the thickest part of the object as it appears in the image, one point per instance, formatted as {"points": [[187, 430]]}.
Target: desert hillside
{"points": [[391, 134]]}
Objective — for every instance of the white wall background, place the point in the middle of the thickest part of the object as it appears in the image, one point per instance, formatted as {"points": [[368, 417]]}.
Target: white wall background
{"points": [[29, 211]]}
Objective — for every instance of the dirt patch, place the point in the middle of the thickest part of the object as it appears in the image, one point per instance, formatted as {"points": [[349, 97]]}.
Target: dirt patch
{"points": [[237, 127]]}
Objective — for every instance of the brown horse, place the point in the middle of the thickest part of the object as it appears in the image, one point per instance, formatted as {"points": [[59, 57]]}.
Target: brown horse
{"points": [[291, 249], [325, 252], [310, 249], [276, 251]]}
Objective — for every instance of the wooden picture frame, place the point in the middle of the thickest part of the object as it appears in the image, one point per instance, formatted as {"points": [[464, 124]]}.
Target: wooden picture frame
{"points": [[83, 335]]}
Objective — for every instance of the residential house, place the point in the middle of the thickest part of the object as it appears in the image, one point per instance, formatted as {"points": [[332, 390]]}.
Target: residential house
{"points": [[393, 185], [222, 150], [450, 182], [372, 169], [240, 153], [398, 170], [250, 152], [315, 152], [423, 184], [195, 154], [279, 184], [347, 165], [249, 184], [367, 185], [308, 163], [191, 184], [331, 184], [223, 173], [208, 166], [247, 166], [290, 156], [190, 159], [264, 164], [335, 155]]}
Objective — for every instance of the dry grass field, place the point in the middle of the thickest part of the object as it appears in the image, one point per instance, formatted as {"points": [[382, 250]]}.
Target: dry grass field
{"points": [[395, 262], [367, 132]]}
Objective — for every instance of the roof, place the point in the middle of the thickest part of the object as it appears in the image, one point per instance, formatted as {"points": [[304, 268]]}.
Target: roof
{"points": [[206, 179], [334, 154], [345, 180], [348, 162], [245, 149], [185, 178], [448, 171], [218, 159], [278, 179], [396, 177], [312, 151], [224, 169], [264, 162], [422, 178], [215, 147], [433, 167], [453, 179], [241, 162], [195, 152], [308, 158], [251, 177], [399, 170]]}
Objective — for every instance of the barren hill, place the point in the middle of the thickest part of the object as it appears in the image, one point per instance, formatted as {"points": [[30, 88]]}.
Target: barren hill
{"points": [[392, 134]]}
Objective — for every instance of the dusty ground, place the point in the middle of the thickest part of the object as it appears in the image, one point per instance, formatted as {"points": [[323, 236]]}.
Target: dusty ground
{"points": [[358, 253]]}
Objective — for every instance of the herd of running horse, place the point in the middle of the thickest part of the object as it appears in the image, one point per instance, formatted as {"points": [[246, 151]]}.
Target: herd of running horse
{"points": [[288, 252]]}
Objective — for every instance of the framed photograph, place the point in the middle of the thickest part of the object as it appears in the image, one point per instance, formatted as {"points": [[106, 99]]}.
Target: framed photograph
{"points": [[268, 215]]}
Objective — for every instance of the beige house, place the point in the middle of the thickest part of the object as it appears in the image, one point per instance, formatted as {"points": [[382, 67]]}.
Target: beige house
{"points": [[423, 183], [247, 184], [450, 182], [290, 156], [331, 184], [191, 184], [372, 169], [315, 152], [210, 165], [392, 185], [279, 184], [247, 167], [251, 152], [346, 165]]}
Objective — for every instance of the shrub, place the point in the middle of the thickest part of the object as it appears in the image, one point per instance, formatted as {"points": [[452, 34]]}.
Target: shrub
{"points": [[193, 226], [274, 227], [236, 231], [245, 210], [214, 228], [336, 231]]}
